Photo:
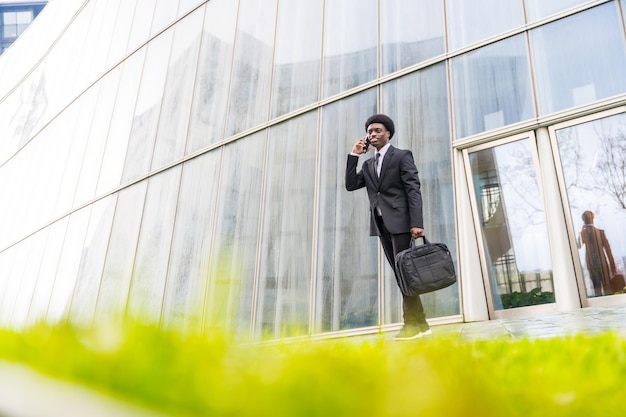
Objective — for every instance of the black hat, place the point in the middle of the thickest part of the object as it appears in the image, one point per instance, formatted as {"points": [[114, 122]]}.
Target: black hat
{"points": [[383, 119]]}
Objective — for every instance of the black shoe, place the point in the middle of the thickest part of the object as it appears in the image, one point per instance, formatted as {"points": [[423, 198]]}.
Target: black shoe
{"points": [[410, 332]]}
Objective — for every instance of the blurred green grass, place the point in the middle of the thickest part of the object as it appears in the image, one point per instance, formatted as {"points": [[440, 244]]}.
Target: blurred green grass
{"points": [[184, 375]]}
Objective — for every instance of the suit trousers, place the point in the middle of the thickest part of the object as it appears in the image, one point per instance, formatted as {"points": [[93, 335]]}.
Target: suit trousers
{"points": [[412, 308]]}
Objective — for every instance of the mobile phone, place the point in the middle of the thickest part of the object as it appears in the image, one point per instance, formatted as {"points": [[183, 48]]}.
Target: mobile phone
{"points": [[367, 144]]}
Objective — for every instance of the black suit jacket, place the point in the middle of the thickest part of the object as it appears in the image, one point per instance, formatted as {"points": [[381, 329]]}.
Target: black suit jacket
{"points": [[395, 195]]}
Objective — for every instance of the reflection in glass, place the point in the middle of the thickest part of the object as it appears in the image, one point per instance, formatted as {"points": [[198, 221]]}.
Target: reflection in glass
{"points": [[419, 105], [233, 255], [67, 270], [147, 286], [28, 266], [16, 259], [350, 44], [252, 65], [538, 9], [120, 124], [210, 96], [148, 108], [346, 285], [189, 256], [285, 269], [142, 20], [177, 95], [297, 55], [411, 31], [473, 21], [120, 256], [491, 87], [593, 158], [92, 258], [579, 59], [47, 269], [513, 225]]}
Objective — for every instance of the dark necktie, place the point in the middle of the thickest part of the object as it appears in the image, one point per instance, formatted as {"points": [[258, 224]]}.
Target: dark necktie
{"points": [[377, 162]]}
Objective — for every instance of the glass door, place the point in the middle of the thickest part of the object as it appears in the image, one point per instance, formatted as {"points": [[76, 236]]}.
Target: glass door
{"points": [[509, 217], [592, 163]]}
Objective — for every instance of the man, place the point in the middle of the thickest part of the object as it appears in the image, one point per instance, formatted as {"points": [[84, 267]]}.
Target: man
{"points": [[393, 188]]}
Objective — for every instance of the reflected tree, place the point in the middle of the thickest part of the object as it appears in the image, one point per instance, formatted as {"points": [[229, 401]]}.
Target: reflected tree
{"points": [[610, 166]]}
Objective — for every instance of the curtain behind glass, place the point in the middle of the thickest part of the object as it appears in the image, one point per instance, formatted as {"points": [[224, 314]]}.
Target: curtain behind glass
{"points": [[473, 21], [538, 9], [285, 264], [350, 44], [252, 66], [347, 279], [234, 253], [297, 56], [418, 103], [189, 256], [411, 31]]}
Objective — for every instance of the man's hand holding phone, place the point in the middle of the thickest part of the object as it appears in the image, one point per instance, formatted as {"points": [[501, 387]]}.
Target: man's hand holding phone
{"points": [[362, 146]]}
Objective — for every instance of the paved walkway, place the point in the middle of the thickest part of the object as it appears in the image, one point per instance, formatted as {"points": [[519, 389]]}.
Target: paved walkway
{"points": [[587, 320]]}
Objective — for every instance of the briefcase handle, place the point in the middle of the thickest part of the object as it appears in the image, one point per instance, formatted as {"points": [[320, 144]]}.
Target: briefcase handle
{"points": [[414, 241]]}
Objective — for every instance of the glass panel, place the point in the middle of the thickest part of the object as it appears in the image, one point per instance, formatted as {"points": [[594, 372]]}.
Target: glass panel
{"points": [[491, 87], [186, 5], [474, 21], [347, 278], [411, 31], [210, 97], [97, 138], [297, 56], [513, 225], [419, 105], [94, 60], [155, 240], [285, 271], [78, 140], [189, 257], [12, 275], [120, 255], [164, 14], [538, 9], [47, 269], [35, 252], [148, 108], [92, 261], [98, 16], [121, 32], [142, 20], [593, 156], [174, 117], [235, 248], [120, 124], [69, 262], [570, 68], [350, 44], [252, 71]]}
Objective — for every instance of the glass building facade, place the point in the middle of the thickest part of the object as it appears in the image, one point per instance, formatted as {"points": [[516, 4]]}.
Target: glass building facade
{"points": [[182, 161]]}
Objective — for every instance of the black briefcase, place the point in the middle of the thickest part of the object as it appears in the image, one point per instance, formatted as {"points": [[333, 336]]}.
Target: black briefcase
{"points": [[424, 268]]}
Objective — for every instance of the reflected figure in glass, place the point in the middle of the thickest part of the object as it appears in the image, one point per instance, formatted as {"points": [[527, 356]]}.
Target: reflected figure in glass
{"points": [[598, 256]]}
